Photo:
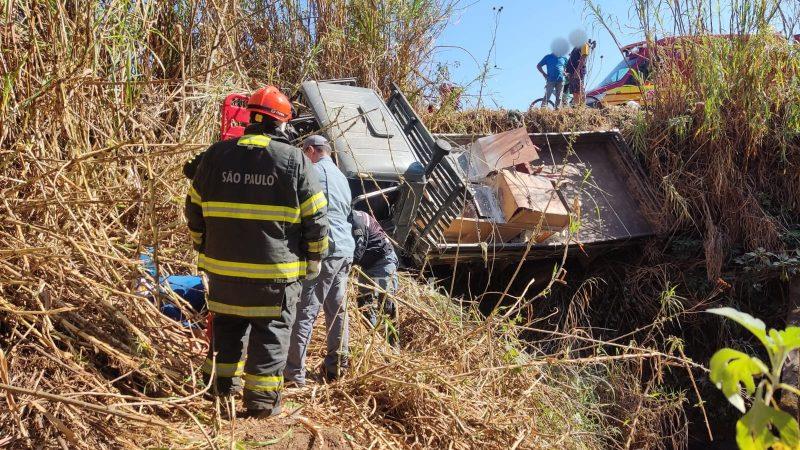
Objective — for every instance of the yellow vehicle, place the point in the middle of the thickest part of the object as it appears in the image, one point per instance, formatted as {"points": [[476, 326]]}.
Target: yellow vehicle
{"points": [[628, 81]]}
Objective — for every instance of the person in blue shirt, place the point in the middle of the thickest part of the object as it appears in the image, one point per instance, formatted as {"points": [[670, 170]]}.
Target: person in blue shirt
{"points": [[555, 62], [327, 290]]}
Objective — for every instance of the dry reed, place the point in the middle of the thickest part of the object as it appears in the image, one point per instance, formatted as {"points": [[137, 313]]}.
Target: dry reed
{"points": [[101, 103], [720, 134]]}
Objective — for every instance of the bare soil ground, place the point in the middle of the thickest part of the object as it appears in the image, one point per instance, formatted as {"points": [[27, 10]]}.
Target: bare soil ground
{"points": [[292, 429], [288, 431]]}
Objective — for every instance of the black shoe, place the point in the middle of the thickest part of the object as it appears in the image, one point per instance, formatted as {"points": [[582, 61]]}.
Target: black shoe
{"points": [[330, 377]]}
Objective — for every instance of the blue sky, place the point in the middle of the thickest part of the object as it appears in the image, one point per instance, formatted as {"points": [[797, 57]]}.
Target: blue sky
{"points": [[526, 29]]}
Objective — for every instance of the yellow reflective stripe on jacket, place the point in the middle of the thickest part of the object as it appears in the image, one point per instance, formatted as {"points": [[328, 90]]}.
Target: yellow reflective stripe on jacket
{"points": [[318, 246], [293, 269], [243, 311], [197, 236], [263, 383], [194, 196], [254, 140], [251, 211], [313, 204], [226, 370]]}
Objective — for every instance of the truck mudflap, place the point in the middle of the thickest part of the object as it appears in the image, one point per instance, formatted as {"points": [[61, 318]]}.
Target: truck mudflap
{"points": [[600, 183]]}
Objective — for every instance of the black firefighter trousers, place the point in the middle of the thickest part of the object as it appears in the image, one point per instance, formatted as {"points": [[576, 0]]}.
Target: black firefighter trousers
{"points": [[254, 349]]}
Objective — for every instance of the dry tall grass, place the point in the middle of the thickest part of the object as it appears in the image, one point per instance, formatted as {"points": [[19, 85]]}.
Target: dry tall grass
{"points": [[460, 381], [485, 121], [721, 136], [101, 103]]}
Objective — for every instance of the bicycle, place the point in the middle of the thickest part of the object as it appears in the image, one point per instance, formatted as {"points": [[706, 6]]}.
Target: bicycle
{"points": [[538, 103], [591, 102], [566, 98]]}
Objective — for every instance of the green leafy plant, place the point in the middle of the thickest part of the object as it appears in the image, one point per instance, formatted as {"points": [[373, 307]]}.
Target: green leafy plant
{"points": [[760, 260], [764, 425]]}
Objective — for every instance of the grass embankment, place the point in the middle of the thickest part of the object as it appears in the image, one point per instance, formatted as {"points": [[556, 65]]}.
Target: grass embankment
{"points": [[720, 135], [101, 103], [485, 121]]}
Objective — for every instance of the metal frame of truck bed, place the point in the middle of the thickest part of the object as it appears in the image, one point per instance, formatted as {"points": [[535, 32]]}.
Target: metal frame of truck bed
{"points": [[615, 178]]}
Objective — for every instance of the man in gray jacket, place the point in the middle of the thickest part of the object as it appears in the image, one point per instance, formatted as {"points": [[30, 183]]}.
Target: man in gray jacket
{"points": [[328, 289]]}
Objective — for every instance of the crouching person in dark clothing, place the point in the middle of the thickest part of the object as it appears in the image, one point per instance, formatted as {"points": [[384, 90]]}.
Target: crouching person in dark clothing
{"points": [[375, 255]]}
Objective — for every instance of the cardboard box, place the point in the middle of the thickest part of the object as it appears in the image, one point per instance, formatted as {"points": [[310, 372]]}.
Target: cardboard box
{"points": [[525, 199], [473, 231], [500, 151]]}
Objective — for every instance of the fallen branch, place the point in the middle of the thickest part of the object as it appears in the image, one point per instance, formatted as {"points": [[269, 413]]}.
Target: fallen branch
{"points": [[97, 408]]}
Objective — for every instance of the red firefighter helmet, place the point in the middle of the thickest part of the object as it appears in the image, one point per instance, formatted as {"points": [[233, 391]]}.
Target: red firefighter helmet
{"points": [[271, 102]]}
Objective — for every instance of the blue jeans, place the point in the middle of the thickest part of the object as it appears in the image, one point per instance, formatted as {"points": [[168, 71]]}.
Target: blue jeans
{"points": [[328, 292], [550, 87], [378, 307]]}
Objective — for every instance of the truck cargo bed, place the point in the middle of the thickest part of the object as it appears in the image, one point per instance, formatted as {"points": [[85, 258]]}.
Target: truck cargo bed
{"points": [[599, 182]]}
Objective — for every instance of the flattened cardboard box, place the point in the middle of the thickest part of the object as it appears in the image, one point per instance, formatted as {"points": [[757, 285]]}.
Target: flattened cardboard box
{"points": [[569, 179], [469, 230], [525, 199]]}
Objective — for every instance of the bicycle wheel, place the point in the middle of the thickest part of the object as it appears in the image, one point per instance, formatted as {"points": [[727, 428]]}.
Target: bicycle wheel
{"points": [[538, 104]]}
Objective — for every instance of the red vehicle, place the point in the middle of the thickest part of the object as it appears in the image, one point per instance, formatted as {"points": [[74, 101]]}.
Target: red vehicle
{"points": [[234, 116], [630, 80]]}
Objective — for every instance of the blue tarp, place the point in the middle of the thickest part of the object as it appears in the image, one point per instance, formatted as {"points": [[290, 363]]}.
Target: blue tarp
{"points": [[189, 287]]}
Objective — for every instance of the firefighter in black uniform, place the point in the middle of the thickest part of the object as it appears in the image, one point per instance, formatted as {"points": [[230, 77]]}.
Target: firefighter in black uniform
{"points": [[256, 214]]}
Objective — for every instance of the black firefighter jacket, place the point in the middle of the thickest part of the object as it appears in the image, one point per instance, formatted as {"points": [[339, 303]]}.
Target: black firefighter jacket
{"points": [[256, 214]]}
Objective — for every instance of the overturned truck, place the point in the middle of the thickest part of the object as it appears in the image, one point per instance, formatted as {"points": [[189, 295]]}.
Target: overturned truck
{"points": [[447, 199]]}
